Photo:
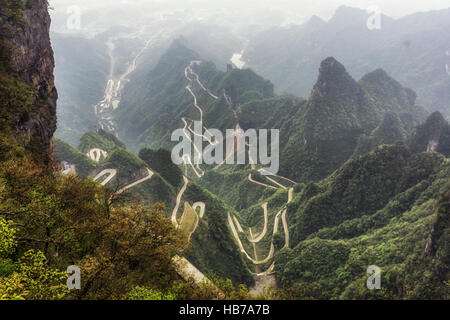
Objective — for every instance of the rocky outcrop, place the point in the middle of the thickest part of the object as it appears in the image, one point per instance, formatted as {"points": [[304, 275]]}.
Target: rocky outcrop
{"points": [[334, 82], [432, 136], [25, 28]]}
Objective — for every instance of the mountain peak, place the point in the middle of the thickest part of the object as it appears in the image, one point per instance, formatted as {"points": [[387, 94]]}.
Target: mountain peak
{"points": [[315, 21], [378, 73], [380, 78], [387, 89], [334, 79], [331, 63], [345, 12]]}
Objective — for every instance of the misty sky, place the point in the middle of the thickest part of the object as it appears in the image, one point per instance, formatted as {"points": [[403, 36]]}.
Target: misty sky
{"points": [[323, 8]]}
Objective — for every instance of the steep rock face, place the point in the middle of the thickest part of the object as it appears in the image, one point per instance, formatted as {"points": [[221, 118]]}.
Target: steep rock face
{"points": [[25, 28], [337, 113], [343, 117], [334, 81], [432, 136], [337, 105]]}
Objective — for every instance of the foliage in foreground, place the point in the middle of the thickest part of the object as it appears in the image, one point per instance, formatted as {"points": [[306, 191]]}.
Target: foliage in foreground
{"points": [[49, 222]]}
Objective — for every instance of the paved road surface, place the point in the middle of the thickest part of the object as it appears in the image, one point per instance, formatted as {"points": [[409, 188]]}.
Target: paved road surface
{"points": [[111, 174], [148, 177], [178, 200]]}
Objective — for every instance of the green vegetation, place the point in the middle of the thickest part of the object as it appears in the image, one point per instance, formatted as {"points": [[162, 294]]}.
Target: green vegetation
{"points": [[232, 186], [65, 221], [434, 133], [126, 163], [375, 191], [363, 186], [340, 112], [160, 161], [389, 131], [189, 221], [142, 293], [33, 280], [99, 139], [239, 84], [65, 152], [380, 209], [212, 249]]}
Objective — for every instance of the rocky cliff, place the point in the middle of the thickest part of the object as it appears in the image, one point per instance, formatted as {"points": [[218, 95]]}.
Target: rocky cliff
{"points": [[26, 61]]}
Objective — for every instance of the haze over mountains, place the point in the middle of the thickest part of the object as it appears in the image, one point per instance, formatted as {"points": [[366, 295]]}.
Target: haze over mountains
{"points": [[346, 91], [332, 139], [412, 49], [364, 146]]}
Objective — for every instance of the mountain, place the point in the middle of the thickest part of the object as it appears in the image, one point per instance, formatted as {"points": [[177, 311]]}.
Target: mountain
{"points": [[363, 183], [50, 218], [28, 94], [211, 245], [389, 131], [316, 136], [433, 135], [379, 209], [338, 113], [353, 145], [85, 63], [413, 49], [154, 107]]}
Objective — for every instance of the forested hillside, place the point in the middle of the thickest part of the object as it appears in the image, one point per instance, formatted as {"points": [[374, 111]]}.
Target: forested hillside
{"points": [[370, 175], [364, 175], [386, 208], [316, 136], [210, 246], [50, 219]]}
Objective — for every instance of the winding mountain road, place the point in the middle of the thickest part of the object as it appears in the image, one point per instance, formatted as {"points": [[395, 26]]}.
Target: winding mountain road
{"points": [[275, 175], [95, 154], [188, 88], [241, 247], [111, 174], [232, 221], [195, 206], [236, 228], [257, 239], [189, 70], [234, 224], [259, 183], [148, 177], [178, 200]]}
